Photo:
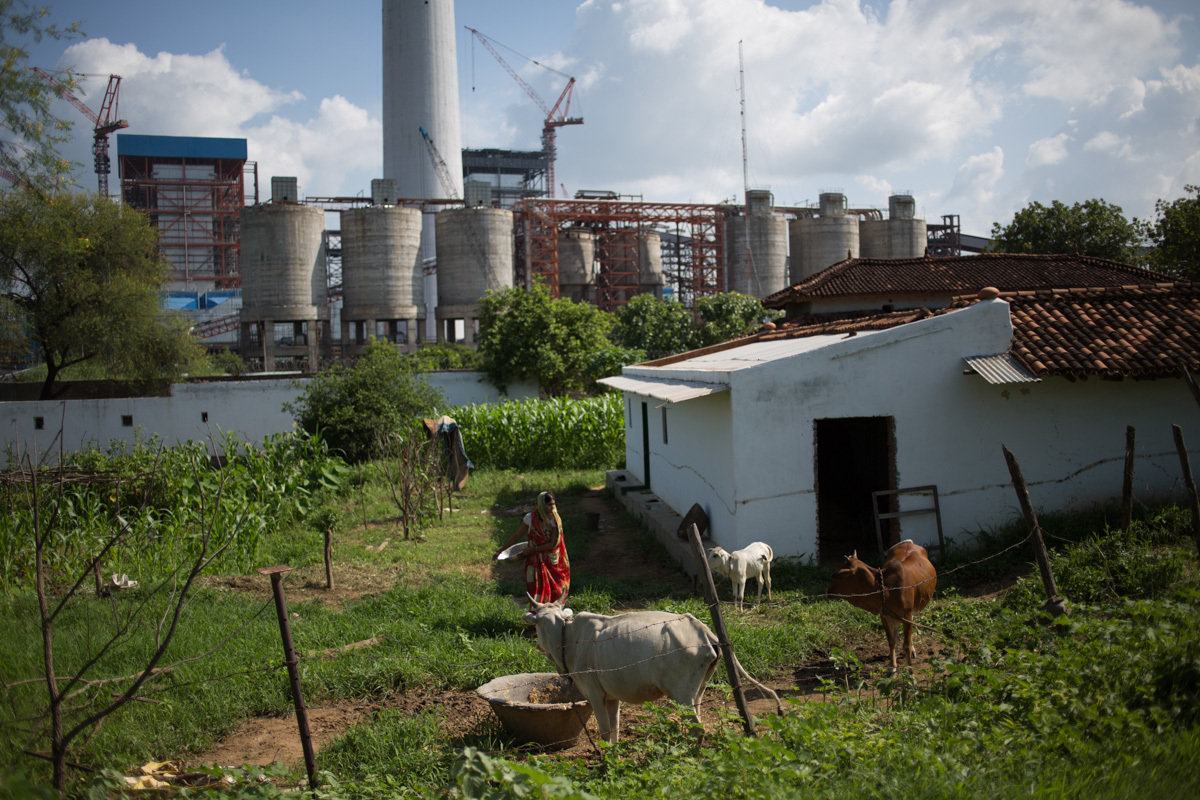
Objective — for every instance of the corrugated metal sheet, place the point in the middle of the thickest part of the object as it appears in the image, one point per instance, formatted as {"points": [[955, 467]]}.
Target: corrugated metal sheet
{"points": [[1001, 368], [672, 391]]}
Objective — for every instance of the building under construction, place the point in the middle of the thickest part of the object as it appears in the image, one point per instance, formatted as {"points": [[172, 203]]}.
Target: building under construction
{"points": [[193, 190]]}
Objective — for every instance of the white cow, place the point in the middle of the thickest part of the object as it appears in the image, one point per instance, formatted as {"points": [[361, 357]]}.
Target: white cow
{"points": [[752, 561], [634, 658]]}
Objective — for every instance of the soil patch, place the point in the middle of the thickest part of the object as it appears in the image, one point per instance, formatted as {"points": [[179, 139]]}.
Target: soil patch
{"points": [[612, 551]]}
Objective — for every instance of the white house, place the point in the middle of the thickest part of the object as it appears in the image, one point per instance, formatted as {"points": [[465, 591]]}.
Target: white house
{"points": [[783, 436]]}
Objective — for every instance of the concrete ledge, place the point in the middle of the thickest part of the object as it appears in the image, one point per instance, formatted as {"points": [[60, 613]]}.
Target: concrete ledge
{"points": [[662, 520]]}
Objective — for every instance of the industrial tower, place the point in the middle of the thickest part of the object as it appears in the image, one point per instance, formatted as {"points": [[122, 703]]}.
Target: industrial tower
{"points": [[420, 90]]}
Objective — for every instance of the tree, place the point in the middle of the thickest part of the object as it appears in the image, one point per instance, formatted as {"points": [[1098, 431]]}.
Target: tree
{"points": [[656, 327], [1092, 228], [1175, 235], [82, 277], [31, 134], [354, 409], [729, 315], [532, 336]]}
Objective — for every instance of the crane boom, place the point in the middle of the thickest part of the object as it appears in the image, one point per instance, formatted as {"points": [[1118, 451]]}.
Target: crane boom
{"points": [[555, 118], [104, 123]]}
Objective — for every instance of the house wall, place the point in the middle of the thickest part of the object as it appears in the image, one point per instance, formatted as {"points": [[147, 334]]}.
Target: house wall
{"points": [[689, 468], [948, 426], [195, 411]]}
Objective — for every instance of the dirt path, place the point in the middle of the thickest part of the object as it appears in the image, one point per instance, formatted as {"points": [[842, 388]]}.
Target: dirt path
{"points": [[265, 740]]}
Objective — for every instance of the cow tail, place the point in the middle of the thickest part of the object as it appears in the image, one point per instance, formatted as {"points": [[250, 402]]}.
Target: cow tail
{"points": [[747, 676]]}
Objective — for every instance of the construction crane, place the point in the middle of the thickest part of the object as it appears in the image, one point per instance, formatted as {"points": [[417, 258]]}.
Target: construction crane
{"points": [[104, 123], [556, 117]]}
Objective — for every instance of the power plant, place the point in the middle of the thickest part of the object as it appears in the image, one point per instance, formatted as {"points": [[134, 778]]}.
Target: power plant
{"points": [[410, 263]]}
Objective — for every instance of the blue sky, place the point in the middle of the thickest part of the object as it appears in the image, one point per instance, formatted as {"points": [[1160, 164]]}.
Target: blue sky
{"points": [[977, 109]]}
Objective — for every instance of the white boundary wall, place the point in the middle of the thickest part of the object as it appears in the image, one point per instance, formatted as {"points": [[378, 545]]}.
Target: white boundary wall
{"points": [[197, 411]]}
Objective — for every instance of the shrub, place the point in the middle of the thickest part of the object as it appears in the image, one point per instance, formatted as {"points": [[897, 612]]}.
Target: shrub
{"points": [[352, 408]]}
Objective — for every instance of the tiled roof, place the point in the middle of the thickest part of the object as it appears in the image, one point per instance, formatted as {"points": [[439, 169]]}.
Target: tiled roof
{"points": [[1136, 332], [956, 275], [1149, 331]]}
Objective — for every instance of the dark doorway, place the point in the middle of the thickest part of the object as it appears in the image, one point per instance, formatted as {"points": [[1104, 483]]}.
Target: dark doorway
{"points": [[855, 456]]}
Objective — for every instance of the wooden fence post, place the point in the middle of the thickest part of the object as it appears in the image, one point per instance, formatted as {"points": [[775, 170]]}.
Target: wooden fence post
{"points": [[328, 558], [289, 653], [1190, 484], [1127, 485], [1055, 604], [714, 605]]}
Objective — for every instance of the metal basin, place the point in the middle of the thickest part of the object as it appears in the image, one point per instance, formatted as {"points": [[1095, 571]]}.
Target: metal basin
{"points": [[539, 707]]}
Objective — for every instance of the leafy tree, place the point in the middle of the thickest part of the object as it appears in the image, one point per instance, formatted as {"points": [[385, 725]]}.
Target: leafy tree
{"points": [[657, 327], [30, 134], [1176, 235], [444, 356], [353, 408], [1092, 228], [82, 275], [532, 336], [729, 315]]}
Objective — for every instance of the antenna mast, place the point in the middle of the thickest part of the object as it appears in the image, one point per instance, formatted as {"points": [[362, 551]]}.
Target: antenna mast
{"points": [[742, 90]]}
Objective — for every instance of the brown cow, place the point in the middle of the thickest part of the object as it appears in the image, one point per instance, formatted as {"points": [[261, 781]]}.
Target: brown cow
{"points": [[896, 592]]}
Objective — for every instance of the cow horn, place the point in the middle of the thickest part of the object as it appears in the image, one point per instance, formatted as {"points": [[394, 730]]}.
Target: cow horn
{"points": [[534, 603]]}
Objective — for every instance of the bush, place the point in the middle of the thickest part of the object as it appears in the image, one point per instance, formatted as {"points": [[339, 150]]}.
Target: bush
{"points": [[352, 408]]}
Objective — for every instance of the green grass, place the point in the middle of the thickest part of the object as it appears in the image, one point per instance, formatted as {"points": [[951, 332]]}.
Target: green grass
{"points": [[1019, 705]]}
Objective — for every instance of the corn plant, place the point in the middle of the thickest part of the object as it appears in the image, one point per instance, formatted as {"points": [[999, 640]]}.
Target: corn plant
{"points": [[559, 433]]}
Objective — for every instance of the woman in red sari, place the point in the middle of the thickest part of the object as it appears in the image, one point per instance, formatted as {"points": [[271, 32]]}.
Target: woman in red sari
{"points": [[547, 568]]}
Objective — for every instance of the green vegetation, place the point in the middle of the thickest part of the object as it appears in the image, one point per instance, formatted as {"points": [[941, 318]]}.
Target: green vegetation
{"points": [[81, 277], [353, 407], [31, 153], [1016, 704], [1092, 228], [1175, 235], [528, 335], [545, 434]]}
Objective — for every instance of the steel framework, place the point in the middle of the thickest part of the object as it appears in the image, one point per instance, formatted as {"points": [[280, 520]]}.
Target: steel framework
{"points": [[195, 205], [696, 250]]}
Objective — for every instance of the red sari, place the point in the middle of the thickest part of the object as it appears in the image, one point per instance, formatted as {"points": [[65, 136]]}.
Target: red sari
{"points": [[548, 574]]}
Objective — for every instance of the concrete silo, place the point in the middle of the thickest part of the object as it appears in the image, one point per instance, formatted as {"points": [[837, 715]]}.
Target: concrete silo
{"points": [[283, 282], [650, 268], [823, 240], [756, 247], [901, 235], [474, 255], [420, 89], [383, 292], [576, 261]]}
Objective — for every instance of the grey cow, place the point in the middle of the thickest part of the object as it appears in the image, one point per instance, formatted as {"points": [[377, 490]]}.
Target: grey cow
{"points": [[632, 658]]}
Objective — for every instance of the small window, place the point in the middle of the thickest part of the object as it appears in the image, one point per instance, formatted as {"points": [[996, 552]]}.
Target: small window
{"points": [[664, 410], [204, 417], [39, 423], [127, 420]]}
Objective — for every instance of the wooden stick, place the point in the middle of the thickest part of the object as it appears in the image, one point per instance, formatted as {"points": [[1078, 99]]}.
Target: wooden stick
{"points": [[1127, 485], [289, 653], [1188, 483], [328, 559], [714, 605], [1054, 602]]}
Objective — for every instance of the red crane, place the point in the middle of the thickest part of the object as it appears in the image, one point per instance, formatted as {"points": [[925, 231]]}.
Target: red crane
{"points": [[105, 122], [555, 118]]}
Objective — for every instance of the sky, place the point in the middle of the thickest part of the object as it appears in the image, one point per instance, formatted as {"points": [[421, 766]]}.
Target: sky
{"points": [[976, 109]]}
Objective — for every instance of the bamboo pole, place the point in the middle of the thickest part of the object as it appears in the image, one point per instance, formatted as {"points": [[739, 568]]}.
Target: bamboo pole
{"points": [[714, 605]]}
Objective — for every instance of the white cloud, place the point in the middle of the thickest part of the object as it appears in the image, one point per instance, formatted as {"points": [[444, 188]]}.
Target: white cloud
{"points": [[1112, 144], [1049, 151], [204, 95]]}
